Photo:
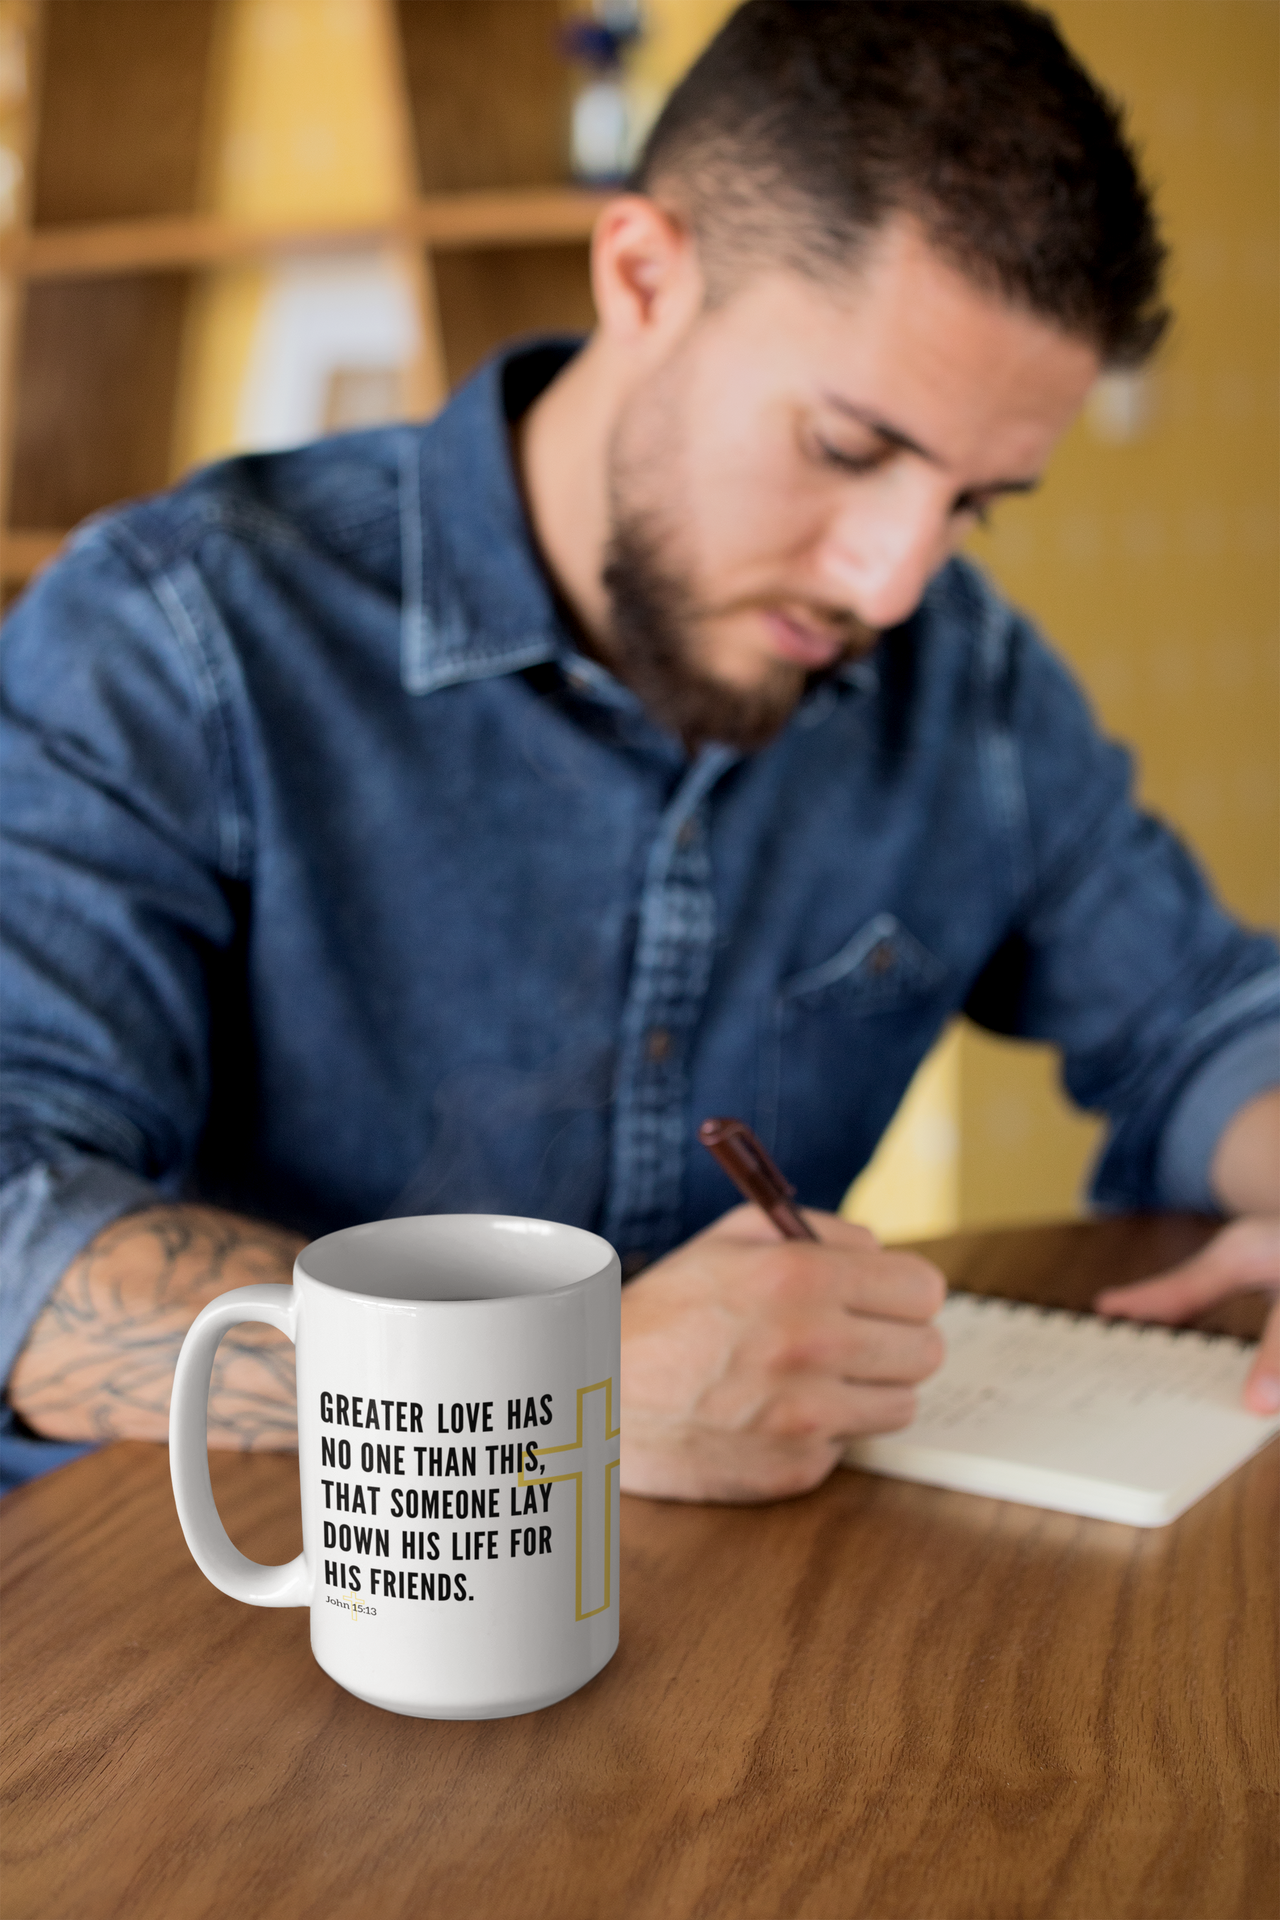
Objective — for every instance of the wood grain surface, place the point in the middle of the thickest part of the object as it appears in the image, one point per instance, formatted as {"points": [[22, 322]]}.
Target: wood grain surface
{"points": [[879, 1702]]}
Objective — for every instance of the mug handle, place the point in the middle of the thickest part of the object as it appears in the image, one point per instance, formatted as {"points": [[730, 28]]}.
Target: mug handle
{"points": [[221, 1562]]}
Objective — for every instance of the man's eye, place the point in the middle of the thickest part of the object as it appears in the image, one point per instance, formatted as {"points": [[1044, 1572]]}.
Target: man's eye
{"points": [[849, 462], [976, 509]]}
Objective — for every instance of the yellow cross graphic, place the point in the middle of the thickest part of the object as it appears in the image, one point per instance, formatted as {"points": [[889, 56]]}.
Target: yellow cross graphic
{"points": [[590, 1467]]}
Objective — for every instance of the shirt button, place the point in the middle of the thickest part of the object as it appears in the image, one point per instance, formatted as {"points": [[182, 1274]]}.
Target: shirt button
{"points": [[880, 959], [687, 834], [657, 1044]]}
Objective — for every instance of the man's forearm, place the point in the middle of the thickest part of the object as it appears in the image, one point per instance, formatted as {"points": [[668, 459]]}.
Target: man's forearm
{"points": [[99, 1362]]}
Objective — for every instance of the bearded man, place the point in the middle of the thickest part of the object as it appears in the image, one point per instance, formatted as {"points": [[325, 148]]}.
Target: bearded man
{"points": [[446, 818]]}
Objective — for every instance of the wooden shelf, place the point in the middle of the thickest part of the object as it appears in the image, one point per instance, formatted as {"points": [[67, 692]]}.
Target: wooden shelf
{"points": [[23, 551], [496, 217], [502, 217], [100, 274]]}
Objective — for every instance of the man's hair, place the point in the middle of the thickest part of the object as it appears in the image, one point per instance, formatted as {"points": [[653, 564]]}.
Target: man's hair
{"points": [[807, 124]]}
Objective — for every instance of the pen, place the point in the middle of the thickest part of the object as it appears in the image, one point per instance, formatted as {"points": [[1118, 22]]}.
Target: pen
{"points": [[754, 1174]]}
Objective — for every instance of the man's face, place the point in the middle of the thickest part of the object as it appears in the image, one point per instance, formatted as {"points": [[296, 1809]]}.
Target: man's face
{"points": [[786, 480]]}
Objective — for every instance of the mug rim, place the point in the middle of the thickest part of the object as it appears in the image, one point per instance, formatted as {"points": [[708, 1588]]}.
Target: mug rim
{"points": [[516, 1221]]}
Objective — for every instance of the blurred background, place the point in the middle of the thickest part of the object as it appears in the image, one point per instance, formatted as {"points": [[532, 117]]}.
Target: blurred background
{"points": [[230, 224]]}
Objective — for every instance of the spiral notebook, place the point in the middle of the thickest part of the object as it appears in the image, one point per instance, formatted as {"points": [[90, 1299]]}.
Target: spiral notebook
{"points": [[1109, 1418]]}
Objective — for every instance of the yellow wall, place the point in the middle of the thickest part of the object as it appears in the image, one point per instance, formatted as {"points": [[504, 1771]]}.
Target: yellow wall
{"points": [[1152, 563]]}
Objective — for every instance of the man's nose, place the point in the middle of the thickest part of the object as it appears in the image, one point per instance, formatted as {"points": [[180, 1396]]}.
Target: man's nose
{"points": [[877, 557]]}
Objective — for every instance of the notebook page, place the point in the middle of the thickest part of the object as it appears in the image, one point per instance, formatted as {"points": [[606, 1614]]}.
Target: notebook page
{"points": [[1110, 1418]]}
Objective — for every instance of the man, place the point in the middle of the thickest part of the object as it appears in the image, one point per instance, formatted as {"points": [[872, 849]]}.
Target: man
{"points": [[448, 818]]}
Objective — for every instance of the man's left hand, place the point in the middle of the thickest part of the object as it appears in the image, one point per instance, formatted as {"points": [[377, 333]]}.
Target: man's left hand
{"points": [[1243, 1258]]}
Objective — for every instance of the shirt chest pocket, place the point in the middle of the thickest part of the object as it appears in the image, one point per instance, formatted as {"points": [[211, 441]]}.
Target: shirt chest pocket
{"points": [[842, 1040], [881, 966]]}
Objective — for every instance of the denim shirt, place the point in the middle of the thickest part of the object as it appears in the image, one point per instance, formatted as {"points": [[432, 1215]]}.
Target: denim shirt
{"points": [[338, 884]]}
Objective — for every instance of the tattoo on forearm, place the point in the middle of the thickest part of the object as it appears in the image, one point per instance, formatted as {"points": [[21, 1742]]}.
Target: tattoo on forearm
{"points": [[99, 1362]]}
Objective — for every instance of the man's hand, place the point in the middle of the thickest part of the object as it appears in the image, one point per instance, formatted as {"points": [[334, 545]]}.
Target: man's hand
{"points": [[99, 1362], [1243, 1258], [748, 1360]]}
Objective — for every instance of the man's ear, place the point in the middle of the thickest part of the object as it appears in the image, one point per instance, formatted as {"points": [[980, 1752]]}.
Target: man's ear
{"points": [[644, 272]]}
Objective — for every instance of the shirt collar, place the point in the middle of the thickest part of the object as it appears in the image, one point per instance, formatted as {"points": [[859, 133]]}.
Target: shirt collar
{"points": [[475, 599]]}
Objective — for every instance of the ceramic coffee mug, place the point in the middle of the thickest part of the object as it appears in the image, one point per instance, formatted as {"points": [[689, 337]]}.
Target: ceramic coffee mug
{"points": [[458, 1454]]}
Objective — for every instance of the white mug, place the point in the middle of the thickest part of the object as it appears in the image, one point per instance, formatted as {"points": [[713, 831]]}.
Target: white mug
{"points": [[458, 1407]]}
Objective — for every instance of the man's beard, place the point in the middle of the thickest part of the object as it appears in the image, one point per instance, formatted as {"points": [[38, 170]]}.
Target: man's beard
{"points": [[652, 648]]}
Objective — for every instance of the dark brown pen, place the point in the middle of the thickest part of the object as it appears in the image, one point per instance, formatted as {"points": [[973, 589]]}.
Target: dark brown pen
{"points": [[754, 1174]]}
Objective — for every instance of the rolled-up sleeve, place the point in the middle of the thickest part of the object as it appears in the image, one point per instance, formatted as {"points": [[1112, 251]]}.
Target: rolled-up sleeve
{"points": [[48, 1215], [1163, 1005], [1228, 1078]]}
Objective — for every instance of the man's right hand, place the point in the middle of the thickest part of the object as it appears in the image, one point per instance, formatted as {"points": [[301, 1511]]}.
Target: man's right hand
{"points": [[748, 1361]]}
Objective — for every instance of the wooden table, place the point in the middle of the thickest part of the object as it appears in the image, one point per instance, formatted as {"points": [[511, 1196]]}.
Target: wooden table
{"points": [[878, 1701]]}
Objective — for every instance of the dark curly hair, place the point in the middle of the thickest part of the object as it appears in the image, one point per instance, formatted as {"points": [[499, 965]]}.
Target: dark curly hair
{"points": [[806, 124]]}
